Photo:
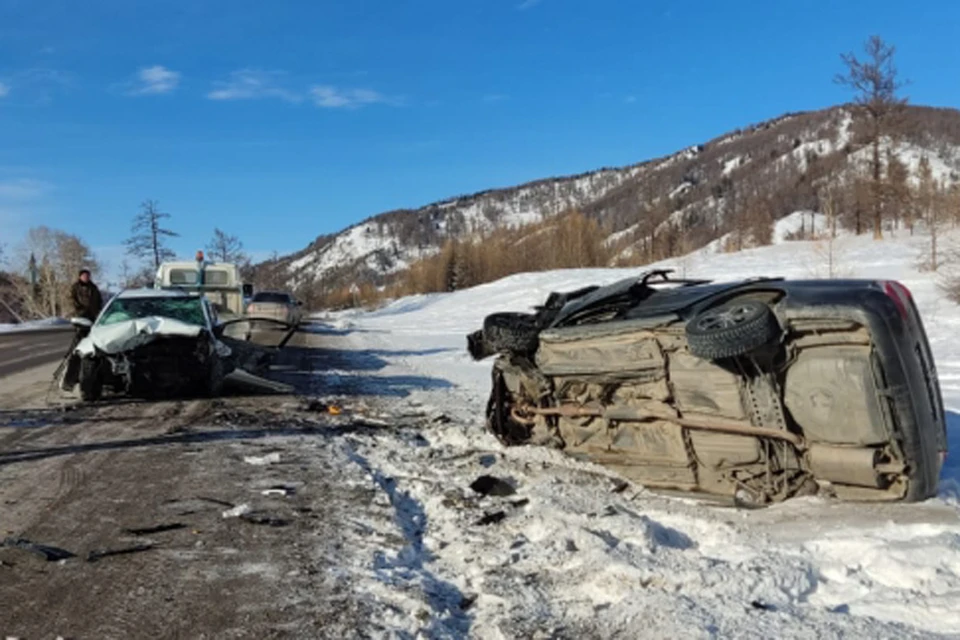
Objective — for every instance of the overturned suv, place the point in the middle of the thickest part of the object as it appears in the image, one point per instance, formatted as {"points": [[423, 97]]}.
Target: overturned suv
{"points": [[758, 390], [159, 343]]}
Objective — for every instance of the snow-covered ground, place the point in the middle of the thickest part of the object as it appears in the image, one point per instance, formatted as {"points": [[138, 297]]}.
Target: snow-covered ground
{"points": [[33, 325], [571, 557]]}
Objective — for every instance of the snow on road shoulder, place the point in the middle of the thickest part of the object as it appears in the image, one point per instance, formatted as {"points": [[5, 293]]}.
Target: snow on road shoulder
{"points": [[566, 553], [34, 325]]}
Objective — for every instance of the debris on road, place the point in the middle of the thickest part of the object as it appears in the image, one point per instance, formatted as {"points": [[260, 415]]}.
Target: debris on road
{"points": [[237, 511], [491, 518], [160, 528], [47, 552], [260, 461], [279, 490], [492, 486], [258, 517], [98, 554]]}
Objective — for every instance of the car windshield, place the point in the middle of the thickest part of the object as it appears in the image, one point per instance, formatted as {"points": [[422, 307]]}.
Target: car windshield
{"points": [[189, 310], [267, 296]]}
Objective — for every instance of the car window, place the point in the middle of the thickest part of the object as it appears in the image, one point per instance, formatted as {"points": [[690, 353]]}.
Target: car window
{"points": [[269, 296], [189, 310]]}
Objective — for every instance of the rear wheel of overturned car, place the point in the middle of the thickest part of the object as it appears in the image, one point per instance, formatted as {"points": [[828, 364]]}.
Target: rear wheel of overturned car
{"points": [[511, 332], [91, 379], [732, 329]]}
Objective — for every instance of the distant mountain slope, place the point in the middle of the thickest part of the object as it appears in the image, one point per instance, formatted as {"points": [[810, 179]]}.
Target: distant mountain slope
{"points": [[667, 205]]}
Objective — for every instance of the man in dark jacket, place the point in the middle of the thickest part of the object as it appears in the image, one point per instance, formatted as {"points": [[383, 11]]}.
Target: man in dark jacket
{"points": [[85, 296], [87, 303]]}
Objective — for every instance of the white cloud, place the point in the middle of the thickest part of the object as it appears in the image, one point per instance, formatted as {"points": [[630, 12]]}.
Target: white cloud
{"points": [[21, 189], [155, 80], [528, 4], [4, 89], [250, 84], [330, 97]]}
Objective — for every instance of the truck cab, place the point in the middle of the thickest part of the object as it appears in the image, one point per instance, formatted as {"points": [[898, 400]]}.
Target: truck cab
{"points": [[219, 282]]}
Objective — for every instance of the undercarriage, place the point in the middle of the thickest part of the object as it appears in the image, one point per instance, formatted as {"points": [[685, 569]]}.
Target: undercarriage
{"points": [[807, 414]]}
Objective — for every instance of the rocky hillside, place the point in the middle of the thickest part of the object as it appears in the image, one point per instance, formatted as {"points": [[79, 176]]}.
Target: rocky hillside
{"points": [[665, 205]]}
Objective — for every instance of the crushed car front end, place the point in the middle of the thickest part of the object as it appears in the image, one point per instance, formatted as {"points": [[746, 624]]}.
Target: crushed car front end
{"points": [[151, 357], [760, 390]]}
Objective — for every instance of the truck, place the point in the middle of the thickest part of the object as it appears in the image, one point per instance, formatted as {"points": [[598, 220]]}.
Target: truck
{"points": [[219, 282]]}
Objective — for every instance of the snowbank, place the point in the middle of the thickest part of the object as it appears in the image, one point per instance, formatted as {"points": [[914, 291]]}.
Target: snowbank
{"points": [[584, 559]]}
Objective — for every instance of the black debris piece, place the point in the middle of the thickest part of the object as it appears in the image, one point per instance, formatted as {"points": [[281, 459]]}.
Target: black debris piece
{"points": [[160, 528], [492, 518], [763, 606], [491, 486], [522, 502], [256, 517], [467, 601], [488, 460], [47, 552], [442, 419], [621, 486], [279, 490], [98, 554], [317, 405]]}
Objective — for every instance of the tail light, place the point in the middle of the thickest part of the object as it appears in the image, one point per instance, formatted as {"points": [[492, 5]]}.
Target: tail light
{"points": [[900, 295]]}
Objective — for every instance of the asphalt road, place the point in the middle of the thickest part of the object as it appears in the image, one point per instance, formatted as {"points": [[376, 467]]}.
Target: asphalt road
{"points": [[20, 351]]}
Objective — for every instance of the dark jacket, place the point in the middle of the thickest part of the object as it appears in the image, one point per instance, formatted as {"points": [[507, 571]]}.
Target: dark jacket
{"points": [[86, 299]]}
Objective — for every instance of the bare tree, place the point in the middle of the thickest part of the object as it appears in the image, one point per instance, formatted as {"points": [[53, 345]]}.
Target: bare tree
{"points": [[56, 258], [224, 247], [928, 205], [829, 200], [874, 80], [148, 238]]}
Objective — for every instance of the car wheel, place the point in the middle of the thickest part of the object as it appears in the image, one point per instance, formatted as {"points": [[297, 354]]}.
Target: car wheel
{"points": [[513, 332], [732, 329], [91, 379]]}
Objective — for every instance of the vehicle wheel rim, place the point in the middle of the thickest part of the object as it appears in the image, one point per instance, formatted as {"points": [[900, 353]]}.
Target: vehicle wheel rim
{"points": [[726, 319]]}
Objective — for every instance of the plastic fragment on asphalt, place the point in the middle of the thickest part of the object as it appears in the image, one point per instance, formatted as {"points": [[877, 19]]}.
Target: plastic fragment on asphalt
{"points": [[260, 461], [237, 511]]}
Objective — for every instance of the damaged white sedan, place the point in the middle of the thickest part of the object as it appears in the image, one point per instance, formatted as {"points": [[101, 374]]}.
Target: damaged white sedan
{"points": [[153, 343]]}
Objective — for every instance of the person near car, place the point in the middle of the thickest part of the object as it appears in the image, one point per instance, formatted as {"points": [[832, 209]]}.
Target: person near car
{"points": [[87, 301], [85, 296]]}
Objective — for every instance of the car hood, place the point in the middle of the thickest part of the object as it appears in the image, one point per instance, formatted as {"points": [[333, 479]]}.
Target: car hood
{"points": [[125, 336]]}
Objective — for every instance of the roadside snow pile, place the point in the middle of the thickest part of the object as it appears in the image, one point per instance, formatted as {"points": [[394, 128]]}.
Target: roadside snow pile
{"points": [[34, 325], [567, 554]]}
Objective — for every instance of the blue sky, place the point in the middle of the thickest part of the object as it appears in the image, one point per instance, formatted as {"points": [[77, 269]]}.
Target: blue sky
{"points": [[279, 121]]}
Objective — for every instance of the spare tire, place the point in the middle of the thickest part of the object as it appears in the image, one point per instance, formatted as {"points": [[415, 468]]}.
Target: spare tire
{"points": [[511, 332], [732, 329]]}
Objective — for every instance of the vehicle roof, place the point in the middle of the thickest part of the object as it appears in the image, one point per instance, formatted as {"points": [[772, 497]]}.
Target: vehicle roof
{"points": [[155, 293]]}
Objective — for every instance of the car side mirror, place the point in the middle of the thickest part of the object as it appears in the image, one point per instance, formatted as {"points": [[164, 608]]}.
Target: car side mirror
{"points": [[81, 322], [247, 289]]}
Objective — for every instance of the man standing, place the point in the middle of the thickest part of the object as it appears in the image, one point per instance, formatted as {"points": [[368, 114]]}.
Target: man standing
{"points": [[87, 303], [85, 296]]}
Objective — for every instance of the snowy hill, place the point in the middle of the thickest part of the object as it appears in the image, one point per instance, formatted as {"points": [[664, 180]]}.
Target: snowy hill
{"points": [[694, 193], [580, 560]]}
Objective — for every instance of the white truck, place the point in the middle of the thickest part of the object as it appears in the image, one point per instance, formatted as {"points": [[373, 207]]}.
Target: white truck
{"points": [[219, 282]]}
